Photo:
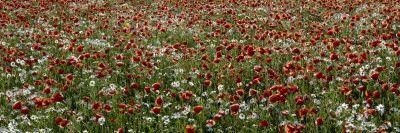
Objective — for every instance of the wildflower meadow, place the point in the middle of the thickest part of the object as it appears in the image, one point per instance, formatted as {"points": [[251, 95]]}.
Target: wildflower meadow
{"points": [[94, 66]]}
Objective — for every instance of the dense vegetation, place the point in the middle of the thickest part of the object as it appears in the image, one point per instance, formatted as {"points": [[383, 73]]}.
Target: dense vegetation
{"points": [[199, 66]]}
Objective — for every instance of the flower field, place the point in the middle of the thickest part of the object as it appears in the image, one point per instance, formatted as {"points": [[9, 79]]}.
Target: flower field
{"points": [[84, 66]]}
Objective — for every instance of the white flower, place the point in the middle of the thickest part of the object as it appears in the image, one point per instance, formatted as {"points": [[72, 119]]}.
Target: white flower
{"points": [[34, 117], [242, 116], [191, 83], [92, 83], [220, 87], [209, 125], [9, 94], [80, 118], [13, 64], [339, 123], [252, 100], [380, 108], [175, 84], [397, 129], [263, 99], [389, 124], [166, 121], [184, 81], [101, 121], [113, 86], [185, 112], [317, 102]]}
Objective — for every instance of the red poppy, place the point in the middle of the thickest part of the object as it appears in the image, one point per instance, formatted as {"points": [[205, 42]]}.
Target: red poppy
{"points": [[313, 111], [375, 75], [371, 111], [60, 71], [303, 111], [255, 81], [212, 122], [107, 108], [334, 56], [131, 110], [24, 111], [122, 111], [58, 120], [240, 92], [360, 88], [205, 66], [98, 116], [252, 92], [173, 94], [64, 123], [101, 66], [86, 99], [285, 112], [134, 86], [217, 116], [275, 98], [299, 100], [291, 129], [119, 64], [159, 101], [190, 129], [120, 130], [79, 49], [221, 112], [208, 75], [345, 90], [398, 63], [319, 121], [377, 94], [49, 82], [385, 86], [156, 86], [234, 109], [257, 68], [96, 105], [319, 75], [368, 94], [207, 83], [156, 110], [58, 97], [69, 77], [263, 123], [267, 93], [46, 90], [395, 90], [217, 60], [65, 88], [197, 109], [17, 105]]}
